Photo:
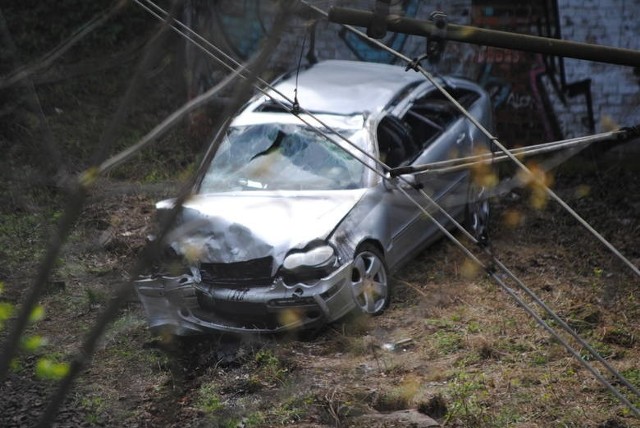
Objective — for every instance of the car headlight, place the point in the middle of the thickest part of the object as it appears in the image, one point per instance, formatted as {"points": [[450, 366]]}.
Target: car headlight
{"points": [[309, 266], [318, 258]]}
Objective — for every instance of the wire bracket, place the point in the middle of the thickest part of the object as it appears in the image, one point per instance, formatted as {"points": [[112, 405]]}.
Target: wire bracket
{"points": [[415, 63]]}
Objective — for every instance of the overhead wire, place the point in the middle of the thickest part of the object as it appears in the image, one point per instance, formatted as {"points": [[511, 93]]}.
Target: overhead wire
{"points": [[492, 138], [467, 162], [442, 228], [422, 208], [530, 174], [432, 202], [526, 289]]}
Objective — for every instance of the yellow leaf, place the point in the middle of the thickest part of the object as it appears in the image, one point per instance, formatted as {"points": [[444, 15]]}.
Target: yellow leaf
{"points": [[290, 317], [513, 218], [469, 269], [88, 177]]}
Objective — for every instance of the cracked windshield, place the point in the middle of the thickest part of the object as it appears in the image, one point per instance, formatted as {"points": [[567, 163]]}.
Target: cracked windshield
{"points": [[267, 156]]}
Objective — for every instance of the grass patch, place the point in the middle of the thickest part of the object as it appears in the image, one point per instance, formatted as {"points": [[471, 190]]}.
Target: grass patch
{"points": [[207, 399], [290, 410], [22, 237], [467, 400], [94, 407], [399, 398], [447, 342], [269, 370]]}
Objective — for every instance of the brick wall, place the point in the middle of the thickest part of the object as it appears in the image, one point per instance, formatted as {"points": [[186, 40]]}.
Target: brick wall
{"points": [[615, 89], [537, 99]]}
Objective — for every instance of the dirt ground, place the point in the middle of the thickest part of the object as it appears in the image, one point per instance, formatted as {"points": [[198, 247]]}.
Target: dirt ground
{"points": [[453, 348]]}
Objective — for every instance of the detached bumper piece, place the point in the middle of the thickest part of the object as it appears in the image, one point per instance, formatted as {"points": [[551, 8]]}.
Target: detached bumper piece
{"points": [[182, 306]]}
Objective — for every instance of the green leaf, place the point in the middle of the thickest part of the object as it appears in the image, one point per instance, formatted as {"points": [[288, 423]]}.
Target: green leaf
{"points": [[33, 343], [15, 365], [36, 314], [6, 310], [47, 369]]}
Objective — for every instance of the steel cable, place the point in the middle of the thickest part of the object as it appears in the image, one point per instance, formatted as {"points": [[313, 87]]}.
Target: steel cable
{"points": [[491, 158], [527, 290], [469, 254], [493, 139]]}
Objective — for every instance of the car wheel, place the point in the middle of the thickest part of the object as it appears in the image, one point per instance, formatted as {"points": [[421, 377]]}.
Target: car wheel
{"points": [[369, 280], [478, 212]]}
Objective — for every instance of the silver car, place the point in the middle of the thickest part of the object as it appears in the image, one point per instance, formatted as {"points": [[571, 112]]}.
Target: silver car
{"points": [[297, 222]]}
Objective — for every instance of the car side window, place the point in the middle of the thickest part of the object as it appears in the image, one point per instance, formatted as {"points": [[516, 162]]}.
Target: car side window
{"points": [[431, 114], [395, 141]]}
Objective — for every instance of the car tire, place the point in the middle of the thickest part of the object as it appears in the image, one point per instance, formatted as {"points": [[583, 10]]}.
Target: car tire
{"points": [[478, 213], [370, 280]]}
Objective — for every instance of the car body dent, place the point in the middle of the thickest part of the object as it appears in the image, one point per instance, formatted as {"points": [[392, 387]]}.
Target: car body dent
{"points": [[233, 232], [173, 304]]}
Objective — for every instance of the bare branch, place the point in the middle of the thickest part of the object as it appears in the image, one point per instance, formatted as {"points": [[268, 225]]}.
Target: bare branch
{"points": [[88, 347], [71, 214], [46, 60]]}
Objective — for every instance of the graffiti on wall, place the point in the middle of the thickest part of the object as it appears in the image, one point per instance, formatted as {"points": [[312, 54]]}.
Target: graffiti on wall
{"points": [[239, 26], [242, 24], [367, 51], [524, 85]]}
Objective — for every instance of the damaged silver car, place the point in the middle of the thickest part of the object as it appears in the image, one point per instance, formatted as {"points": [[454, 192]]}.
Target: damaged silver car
{"points": [[297, 221]]}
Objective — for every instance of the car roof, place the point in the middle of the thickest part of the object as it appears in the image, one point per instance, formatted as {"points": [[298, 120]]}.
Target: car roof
{"points": [[341, 87]]}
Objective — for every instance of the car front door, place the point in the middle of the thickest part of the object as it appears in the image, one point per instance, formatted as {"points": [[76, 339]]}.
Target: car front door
{"points": [[438, 133]]}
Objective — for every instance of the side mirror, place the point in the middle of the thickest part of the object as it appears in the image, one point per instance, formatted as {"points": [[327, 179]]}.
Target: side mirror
{"points": [[408, 182], [402, 181]]}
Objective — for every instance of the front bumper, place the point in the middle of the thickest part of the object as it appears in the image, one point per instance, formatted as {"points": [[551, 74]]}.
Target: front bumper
{"points": [[179, 305]]}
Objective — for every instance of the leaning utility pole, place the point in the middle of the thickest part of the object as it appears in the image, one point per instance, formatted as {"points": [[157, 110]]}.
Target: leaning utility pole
{"points": [[438, 30]]}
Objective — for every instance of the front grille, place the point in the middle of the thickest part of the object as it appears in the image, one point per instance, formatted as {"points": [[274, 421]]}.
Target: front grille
{"points": [[256, 272], [252, 315]]}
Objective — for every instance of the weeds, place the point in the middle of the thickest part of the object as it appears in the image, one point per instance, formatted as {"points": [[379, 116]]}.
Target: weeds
{"points": [[447, 342], [21, 237], [207, 399], [290, 410], [399, 398], [94, 406], [336, 407], [269, 371], [467, 394]]}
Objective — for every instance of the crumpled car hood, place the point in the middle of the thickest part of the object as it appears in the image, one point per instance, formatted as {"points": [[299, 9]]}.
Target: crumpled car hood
{"points": [[240, 226]]}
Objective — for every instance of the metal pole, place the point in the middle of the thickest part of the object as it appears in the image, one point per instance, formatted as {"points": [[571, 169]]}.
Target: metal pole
{"points": [[483, 36], [456, 164]]}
